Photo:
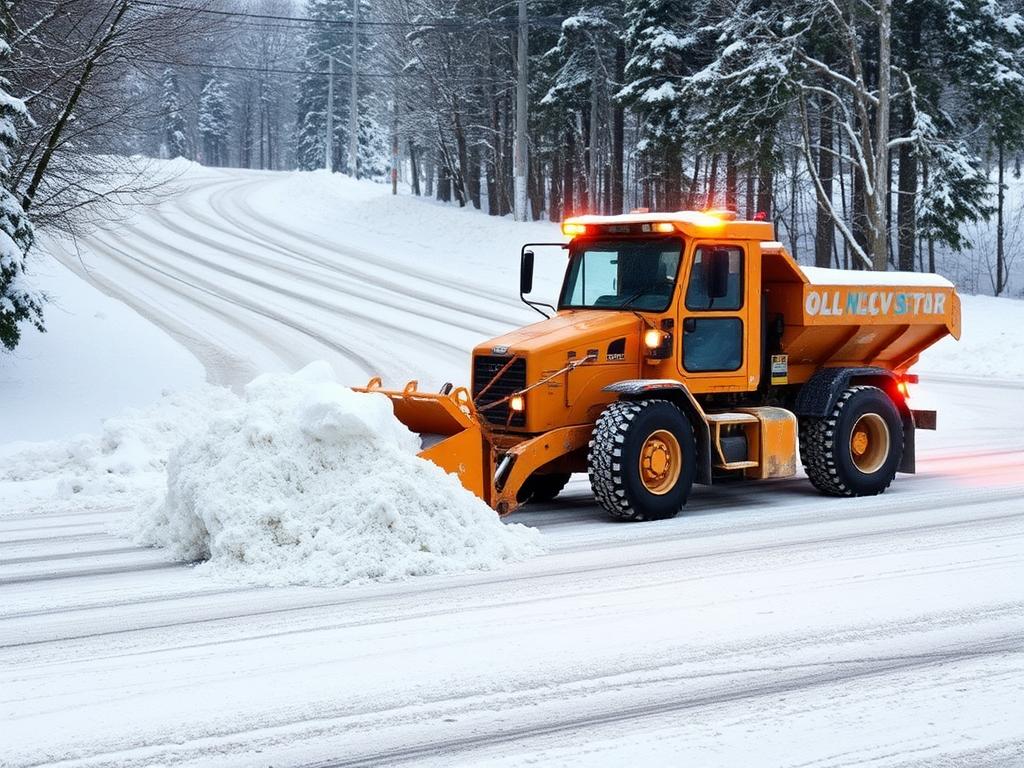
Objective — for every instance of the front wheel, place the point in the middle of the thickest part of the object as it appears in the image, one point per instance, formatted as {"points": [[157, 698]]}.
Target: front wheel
{"points": [[856, 449], [642, 460]]}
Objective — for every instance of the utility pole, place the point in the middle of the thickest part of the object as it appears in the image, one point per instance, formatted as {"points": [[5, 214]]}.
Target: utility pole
{"points": [[353, 106], [521, 116], [329, 137]]}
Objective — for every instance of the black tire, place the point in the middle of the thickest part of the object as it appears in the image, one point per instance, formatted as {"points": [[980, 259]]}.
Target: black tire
{"points": [[827, 447], [541, 488], [615, 453]]}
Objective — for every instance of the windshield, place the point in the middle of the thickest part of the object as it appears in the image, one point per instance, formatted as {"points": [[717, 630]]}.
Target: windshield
{"points": [[613, 274]]}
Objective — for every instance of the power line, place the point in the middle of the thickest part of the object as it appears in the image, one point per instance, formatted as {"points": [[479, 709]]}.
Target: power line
{"points": [[281, 71], [347, 23]]}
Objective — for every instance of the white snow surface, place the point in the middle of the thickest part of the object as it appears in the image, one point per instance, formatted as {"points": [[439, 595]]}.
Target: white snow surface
{"points": [[823, 276], [96, 358], [304, 481], [766, 625]]}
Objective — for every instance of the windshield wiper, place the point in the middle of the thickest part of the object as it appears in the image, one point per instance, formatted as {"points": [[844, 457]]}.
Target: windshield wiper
{"points": [[628, 302]]}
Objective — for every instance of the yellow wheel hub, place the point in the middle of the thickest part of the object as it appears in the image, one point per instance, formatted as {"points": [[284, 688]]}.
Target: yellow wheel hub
{"points": [[869, 443], [660, 462]]}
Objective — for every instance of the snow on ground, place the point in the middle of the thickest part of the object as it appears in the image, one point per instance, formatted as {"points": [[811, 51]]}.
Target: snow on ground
{"points": [[307, 482], [97, 358], [765, 625], [991, 343]]}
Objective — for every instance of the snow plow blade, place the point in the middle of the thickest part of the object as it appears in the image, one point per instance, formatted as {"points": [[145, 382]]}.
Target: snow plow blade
{"points": [[450, 434]]}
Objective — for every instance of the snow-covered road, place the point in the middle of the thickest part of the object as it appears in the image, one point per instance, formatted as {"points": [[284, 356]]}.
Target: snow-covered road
{"points": [[765, 626]]}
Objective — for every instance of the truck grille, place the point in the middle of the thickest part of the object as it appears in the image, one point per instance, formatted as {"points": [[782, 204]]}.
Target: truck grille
{"points": [[485, 367]]}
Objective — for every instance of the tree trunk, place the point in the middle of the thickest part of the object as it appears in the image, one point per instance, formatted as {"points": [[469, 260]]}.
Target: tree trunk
{"points": [[473, 176], [535, 187], [906, 202], [444, 183], [606, 189], [585, 187], [878, 204], [750, 193], [764, 180], [414, 168], [569, 173], [618, 132], [1000, 230], [691, 193], [731, 175], [824, 226], [794, 232], [461, 173], [712, 199], [555, 190], [673, 180], [593, 158], [647, 199]]}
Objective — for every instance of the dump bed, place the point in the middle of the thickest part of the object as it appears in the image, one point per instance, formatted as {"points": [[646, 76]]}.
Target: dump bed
{"points": [[834, 317]]}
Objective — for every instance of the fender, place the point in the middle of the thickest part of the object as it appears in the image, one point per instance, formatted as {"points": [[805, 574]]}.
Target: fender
{"points": [[819, 395], [676, 392]]}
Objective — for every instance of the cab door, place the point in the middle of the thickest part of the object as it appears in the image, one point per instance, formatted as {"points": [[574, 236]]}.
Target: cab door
{"points": [[718, 318]]}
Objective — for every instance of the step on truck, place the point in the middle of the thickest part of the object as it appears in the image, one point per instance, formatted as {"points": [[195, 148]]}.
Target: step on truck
{"points": [[687, 347]]}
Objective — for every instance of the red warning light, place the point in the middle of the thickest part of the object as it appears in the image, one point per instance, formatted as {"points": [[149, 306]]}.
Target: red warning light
{"points": [[761, 216]]}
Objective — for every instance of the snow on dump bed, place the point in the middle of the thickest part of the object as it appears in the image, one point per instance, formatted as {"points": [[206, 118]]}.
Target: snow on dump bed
{"points": [[304, 481], [823, 276]]}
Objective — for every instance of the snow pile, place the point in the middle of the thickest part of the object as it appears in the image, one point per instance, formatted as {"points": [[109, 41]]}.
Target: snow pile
{"points": [[307, 482], [129, 454]]}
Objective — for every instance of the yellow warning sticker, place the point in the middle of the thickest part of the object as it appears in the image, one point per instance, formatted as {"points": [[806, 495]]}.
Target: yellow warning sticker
{"points": [[780, 369]]}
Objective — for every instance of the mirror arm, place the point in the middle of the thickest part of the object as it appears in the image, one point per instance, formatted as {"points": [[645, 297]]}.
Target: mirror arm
{"points": [[536, 305]]}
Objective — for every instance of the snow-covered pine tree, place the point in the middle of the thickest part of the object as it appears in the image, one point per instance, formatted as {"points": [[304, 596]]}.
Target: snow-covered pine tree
{"points": [[19, 302], [583, 76], [659, 49], [985, 58], [214, 122], [735, 96], [174, 139], [323, 41]]}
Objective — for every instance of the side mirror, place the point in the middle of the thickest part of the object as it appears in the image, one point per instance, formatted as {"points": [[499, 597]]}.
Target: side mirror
{"points": [[526, 273], [718, 273]]}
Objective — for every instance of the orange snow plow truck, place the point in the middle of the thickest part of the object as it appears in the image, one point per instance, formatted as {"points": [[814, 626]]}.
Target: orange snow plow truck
{"points": [[688, 347]]}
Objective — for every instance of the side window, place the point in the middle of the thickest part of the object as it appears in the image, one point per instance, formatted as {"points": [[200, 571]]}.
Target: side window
{"points": [[712, 344], [697, 298]]}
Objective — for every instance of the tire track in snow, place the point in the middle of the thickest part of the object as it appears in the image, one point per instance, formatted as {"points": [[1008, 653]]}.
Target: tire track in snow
{"points": [[119, 255], [240, 231], [643, 560], [496, 718], [369, 320], [839, 671], [257, 221], [222, 366]]}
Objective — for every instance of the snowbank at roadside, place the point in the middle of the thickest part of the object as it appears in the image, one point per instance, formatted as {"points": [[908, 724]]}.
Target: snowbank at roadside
{"points": [[97, 358], [303, 481], [991, 344]]}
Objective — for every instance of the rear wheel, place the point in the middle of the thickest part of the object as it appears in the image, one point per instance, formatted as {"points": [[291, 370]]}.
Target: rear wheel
{"points": [[541, 488], [642, 460], [856, 449]]}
